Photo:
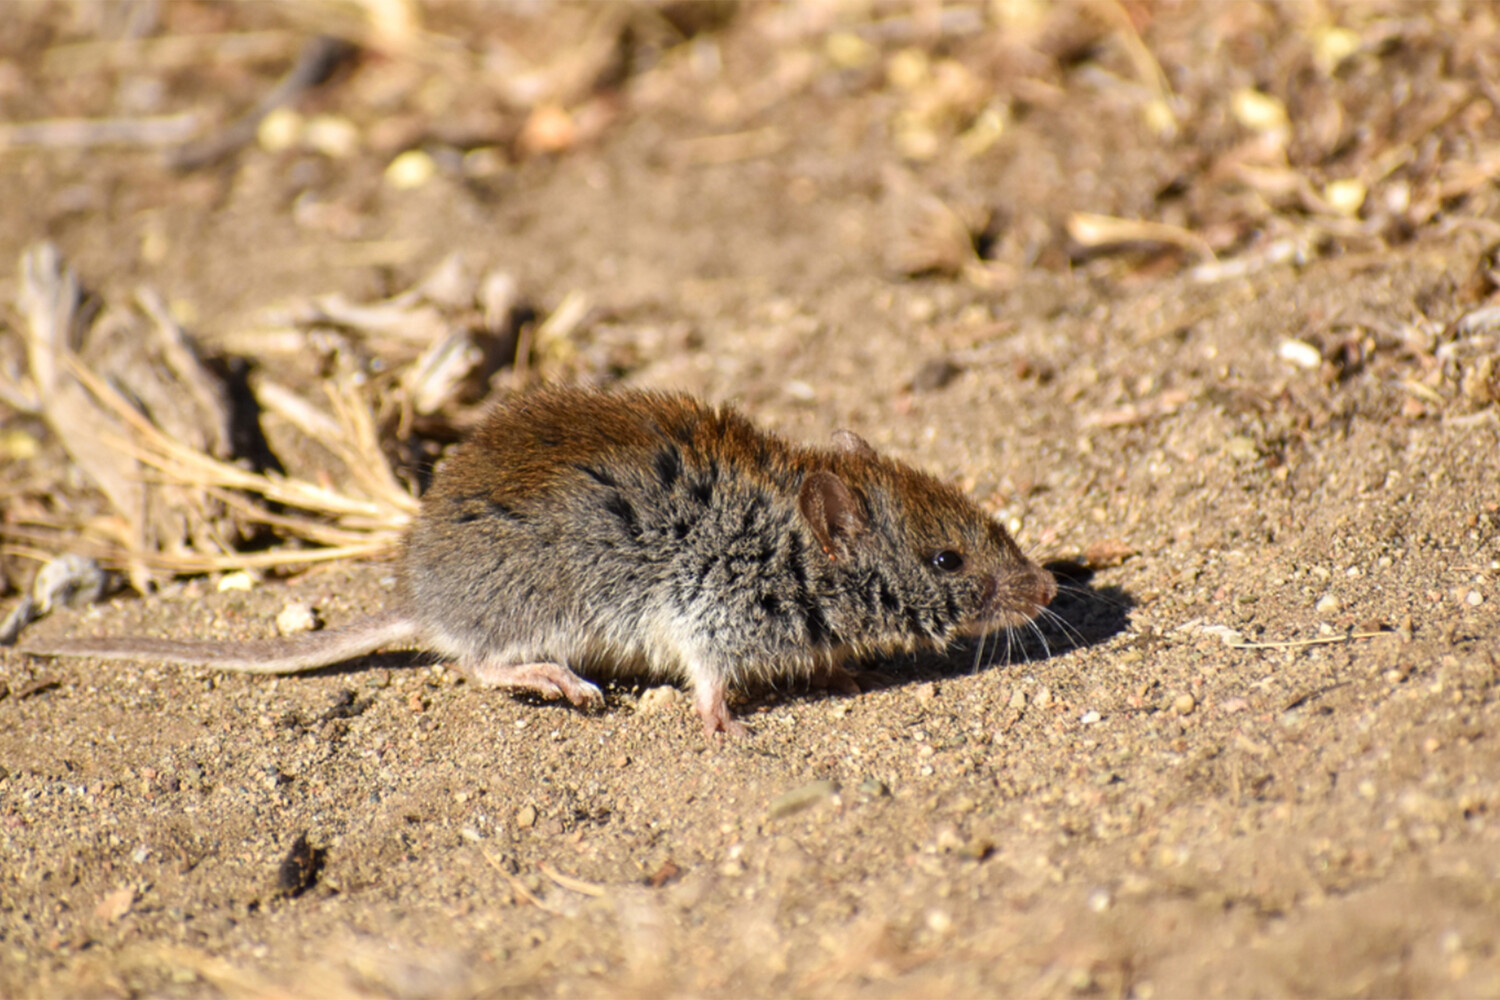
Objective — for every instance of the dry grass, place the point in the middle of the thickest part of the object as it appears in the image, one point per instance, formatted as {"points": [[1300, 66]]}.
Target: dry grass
{"points": [[126, 449]]}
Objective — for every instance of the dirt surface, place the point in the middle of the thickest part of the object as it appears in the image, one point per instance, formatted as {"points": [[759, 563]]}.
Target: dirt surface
{"points": [[1260, 754]]}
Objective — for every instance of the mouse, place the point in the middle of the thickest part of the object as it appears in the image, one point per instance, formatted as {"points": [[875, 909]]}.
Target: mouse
{"points": [[580, 534]]}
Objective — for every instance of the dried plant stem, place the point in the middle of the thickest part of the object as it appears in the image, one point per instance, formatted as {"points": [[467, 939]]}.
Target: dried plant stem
{"points": [[191, 467], [1321, 640], [115, 555], [360, 527], [365, 460]]}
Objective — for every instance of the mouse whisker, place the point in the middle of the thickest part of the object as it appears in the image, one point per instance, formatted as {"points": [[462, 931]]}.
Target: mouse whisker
{"points": [[974, 668], [1069, 631], [994, 655], [1037, 631], [1010, 646], [1084, 593]]}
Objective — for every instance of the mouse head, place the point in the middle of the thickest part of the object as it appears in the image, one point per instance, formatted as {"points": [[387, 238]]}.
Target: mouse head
{"points": [[918, 560]]}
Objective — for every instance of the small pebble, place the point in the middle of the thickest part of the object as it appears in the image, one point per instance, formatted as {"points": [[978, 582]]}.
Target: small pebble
{"points": [[800, 391], [1328, 604], [921, 309], [297, 616], [238, 580], [1090, 717], [115, 905], [801, 797], [847, 50], [334, 136], [1260, 112], [280, 130], [1345, 196], [1184, 704], [526, 817], [548, 129], [977, 849], [411, 169], [1300, 353], [1241, 449], [658, 699], [484, 161], [935, 375], [874, 788], [1474, 599]]}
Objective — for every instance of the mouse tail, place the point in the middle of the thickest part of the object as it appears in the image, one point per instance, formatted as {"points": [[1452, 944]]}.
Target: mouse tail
{"points": [[290, 655]]}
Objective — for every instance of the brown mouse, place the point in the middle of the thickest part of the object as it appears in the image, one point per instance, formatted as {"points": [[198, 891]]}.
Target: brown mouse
{"points": [[584, 532]]}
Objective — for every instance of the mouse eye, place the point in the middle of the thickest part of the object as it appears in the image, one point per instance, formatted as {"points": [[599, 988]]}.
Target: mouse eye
{"points": [[948, 561]]}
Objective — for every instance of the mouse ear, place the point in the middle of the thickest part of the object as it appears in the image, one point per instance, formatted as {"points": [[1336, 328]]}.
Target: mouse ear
{"points": [[834, 513], [851, 443]]}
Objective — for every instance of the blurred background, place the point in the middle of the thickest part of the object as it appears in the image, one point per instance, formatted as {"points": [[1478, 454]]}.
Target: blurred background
{"points": [[441, 199]]}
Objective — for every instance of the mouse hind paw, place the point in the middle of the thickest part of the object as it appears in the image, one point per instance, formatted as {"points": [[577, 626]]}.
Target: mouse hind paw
{"points": [[547, 680], [713, 709]]}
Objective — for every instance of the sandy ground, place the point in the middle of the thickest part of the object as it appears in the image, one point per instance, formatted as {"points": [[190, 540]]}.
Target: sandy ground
{"points": [[1259, 758]]}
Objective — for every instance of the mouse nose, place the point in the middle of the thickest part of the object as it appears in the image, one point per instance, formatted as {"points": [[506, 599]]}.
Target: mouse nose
{"points": [[1044, 587]]}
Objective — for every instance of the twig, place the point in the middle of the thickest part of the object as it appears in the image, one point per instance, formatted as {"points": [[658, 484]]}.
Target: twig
{"points": [[316, 63], [166, 54], [1307, 696], [1319, 641], [519, 887], [568, 882], [87, 133], [116, 556], [303, 527]]}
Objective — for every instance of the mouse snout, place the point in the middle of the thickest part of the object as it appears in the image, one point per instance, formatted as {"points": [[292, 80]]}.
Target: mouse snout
{"points": [[1043, 587], [1016, 595]]}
